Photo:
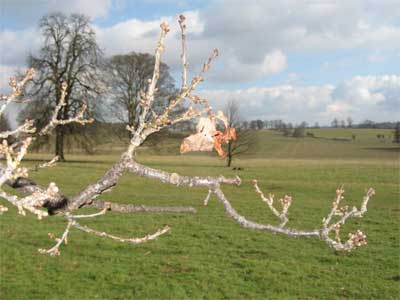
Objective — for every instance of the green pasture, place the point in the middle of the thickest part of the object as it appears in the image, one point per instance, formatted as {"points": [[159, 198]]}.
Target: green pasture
{"points": [[207, 255]]}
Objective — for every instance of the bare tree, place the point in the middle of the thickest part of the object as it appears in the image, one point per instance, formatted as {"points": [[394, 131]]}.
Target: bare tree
{"points": [[300, 130], [349, 122], [396, 135], [70, 56], [128, 77], [253, 125], [335, 123], [47, 201], [245, 139]]}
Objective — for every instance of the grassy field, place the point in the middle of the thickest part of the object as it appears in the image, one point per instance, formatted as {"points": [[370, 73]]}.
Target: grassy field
{"points": [[207, 255]]}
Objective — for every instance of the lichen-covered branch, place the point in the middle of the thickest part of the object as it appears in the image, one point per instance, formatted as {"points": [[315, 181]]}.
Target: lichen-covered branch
{"points": [[55, 250], [27, 127], [130, 208], [47, 164], [55, 121], [182, 26], [179, 180], [17, 90], [356, 239], [134, 240], [286, 202], [244, 222]]}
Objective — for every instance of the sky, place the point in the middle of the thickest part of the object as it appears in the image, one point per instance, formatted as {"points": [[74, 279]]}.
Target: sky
{"points": [[311, 60]]}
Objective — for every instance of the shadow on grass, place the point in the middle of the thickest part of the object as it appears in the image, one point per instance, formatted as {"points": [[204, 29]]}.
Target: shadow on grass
{"points": [[73, 161], [386, 149]]}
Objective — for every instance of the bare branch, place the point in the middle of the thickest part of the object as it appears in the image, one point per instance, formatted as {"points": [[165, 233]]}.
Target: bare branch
{"points": [[355, 239], [207, 197], [55, 121], [17, 88], [286, 202], [180, 180], [182, 25], [129, 208], [54, 251], [27, 127], [257, 226], [144, 239], [48, 164], [106, 206]]}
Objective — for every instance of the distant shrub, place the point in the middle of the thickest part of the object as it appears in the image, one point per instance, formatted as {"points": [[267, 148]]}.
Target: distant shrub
{"points": [[287, 131], [310, 134], [299, 132], [396, 138], [341, 139]]}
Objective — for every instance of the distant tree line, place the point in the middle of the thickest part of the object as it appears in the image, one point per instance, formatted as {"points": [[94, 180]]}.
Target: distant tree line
{"points": [[299, 130], [279, 124], [364, 124]]}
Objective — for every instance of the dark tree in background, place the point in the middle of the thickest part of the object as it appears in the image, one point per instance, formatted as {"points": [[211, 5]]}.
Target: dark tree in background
{"points": [[335, 123], [349, 122], [257, 124], [69, 55], [300, 130], [260, 124], [246, 138], [5, 126], [128, 77], [287, 129], [396, 138], [253, 125]]}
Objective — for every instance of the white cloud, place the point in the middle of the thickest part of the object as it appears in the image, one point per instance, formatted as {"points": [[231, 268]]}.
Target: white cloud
{"points": [[249, 29], [28, 11], [248, 33], [141, 36], [256, 36], [92, 8], [274, 62], [372, 97], [5, 73], [16, 45]]}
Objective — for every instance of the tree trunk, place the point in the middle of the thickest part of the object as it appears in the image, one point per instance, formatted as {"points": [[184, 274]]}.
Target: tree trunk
{"points": [[229, 155], [131, 120], [60, 143], [229, 161]]}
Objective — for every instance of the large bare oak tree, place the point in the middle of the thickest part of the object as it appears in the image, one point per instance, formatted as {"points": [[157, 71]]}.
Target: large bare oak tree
{"points": [[70, 55], [128, 76]]}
